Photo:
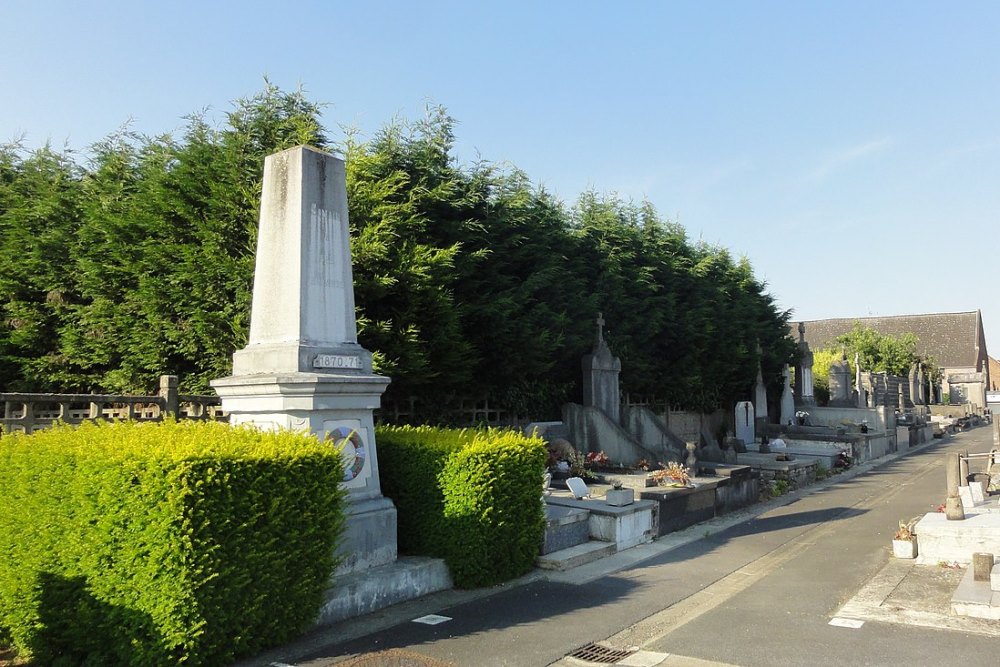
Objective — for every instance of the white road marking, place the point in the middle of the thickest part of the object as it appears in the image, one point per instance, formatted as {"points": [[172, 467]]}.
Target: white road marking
{"points": [[432, 619]]}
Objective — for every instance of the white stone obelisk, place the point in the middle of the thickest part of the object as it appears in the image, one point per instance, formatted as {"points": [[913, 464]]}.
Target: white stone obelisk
{"points": [[302, 368]]}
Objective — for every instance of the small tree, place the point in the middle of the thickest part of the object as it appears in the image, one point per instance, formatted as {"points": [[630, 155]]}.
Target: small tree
{"points": [[881, 353]]}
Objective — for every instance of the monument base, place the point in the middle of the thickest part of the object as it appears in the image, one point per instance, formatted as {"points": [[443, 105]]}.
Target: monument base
{"points": [[369, 536], [278, 358], [337, 408], [380, 587]]}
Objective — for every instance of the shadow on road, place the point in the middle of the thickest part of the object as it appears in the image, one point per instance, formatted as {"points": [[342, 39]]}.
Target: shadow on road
{"points": [[518, 606]]}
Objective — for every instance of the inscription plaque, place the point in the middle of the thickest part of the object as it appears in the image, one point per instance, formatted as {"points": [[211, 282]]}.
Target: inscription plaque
{"points": [[337, 361]]}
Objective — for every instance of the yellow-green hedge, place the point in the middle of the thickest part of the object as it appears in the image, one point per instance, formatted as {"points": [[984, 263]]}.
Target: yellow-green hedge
{"points": [[472, 497], [160, 544]]}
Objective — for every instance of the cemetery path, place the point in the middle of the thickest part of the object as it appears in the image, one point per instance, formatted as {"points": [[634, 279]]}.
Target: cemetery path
{"points": [[757, 588]]}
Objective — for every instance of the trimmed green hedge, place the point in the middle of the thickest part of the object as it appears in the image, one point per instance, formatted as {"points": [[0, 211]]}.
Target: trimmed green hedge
{"points": [[160, 544], [471, 497]]}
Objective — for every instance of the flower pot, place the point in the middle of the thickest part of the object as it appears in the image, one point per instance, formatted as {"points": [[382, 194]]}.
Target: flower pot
{"points": [[904, 548], [619, 497]]}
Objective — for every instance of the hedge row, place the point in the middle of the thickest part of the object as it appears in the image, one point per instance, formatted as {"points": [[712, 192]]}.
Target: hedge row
{"points": [[471, 497], [160, 544]]}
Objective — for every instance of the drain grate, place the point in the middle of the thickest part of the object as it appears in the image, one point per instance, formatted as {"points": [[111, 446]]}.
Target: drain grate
{"points": [[600, 654]]}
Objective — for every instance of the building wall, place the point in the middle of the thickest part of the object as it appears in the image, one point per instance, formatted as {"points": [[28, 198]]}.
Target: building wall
{"points": [[994, 367]]}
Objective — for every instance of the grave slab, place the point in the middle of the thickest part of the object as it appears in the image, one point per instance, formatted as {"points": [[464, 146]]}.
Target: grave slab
{"points": [[683, 507], [955, 541]]}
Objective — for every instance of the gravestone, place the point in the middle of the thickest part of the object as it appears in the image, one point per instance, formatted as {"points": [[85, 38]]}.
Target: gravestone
{"points": [[760, 396], [787, 401], [804, 395], [744, 420], [914, 385], [862, 400], [840, 383], [302, 368], [600, 377]]}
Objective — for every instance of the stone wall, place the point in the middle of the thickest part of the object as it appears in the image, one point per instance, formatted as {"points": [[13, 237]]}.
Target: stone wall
{"points": [[30, 412]]}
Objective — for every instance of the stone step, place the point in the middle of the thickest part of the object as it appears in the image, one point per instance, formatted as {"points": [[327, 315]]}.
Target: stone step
{"points": [[564, 527], [581, 554], [975, 598], [363, 592]]}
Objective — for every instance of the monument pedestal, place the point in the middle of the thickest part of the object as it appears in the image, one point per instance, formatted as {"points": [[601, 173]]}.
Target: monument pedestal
{"points": [[337, 408]]}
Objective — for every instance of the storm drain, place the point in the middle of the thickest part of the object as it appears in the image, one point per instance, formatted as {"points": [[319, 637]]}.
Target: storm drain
{"points": [[600, 654]]}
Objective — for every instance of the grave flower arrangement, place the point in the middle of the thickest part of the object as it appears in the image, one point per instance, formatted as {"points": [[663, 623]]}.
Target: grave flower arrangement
{"points": [[578, 466], [597, 459], [843, 461], [904, 541], [801, 416], [904, 532], [672, 474]]}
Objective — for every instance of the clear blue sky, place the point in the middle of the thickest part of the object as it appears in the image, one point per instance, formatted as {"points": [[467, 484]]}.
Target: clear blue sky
{"points": [[851, 150]]}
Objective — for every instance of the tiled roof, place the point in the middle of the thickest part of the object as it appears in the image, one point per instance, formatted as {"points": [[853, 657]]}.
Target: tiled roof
{"points": [[950, 338]]}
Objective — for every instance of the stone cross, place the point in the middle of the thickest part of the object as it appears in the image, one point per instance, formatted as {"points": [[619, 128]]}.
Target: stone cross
{"points": [[600, 376], [744, 418], [760, 394], [804, 389]]}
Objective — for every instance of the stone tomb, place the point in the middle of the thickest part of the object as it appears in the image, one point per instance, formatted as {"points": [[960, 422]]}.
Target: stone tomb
{"points": [[625, 527]]}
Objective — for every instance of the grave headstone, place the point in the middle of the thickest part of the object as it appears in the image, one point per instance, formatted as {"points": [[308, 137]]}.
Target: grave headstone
{"points": [[744, 420], [760, 395], [787, 401], [302, 368], [862, 399], [804, 371], [600, 376], [840, 383]]}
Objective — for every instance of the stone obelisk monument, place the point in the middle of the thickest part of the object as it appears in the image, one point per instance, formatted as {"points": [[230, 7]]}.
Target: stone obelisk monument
{"points": [[302, 368]]}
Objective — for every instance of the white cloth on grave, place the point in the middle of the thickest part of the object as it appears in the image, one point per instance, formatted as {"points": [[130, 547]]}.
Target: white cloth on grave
{"points": [[777, 443]]}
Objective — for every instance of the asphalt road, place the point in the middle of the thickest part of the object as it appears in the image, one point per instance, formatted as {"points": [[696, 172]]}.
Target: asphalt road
{"points": [[759, 588]]}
